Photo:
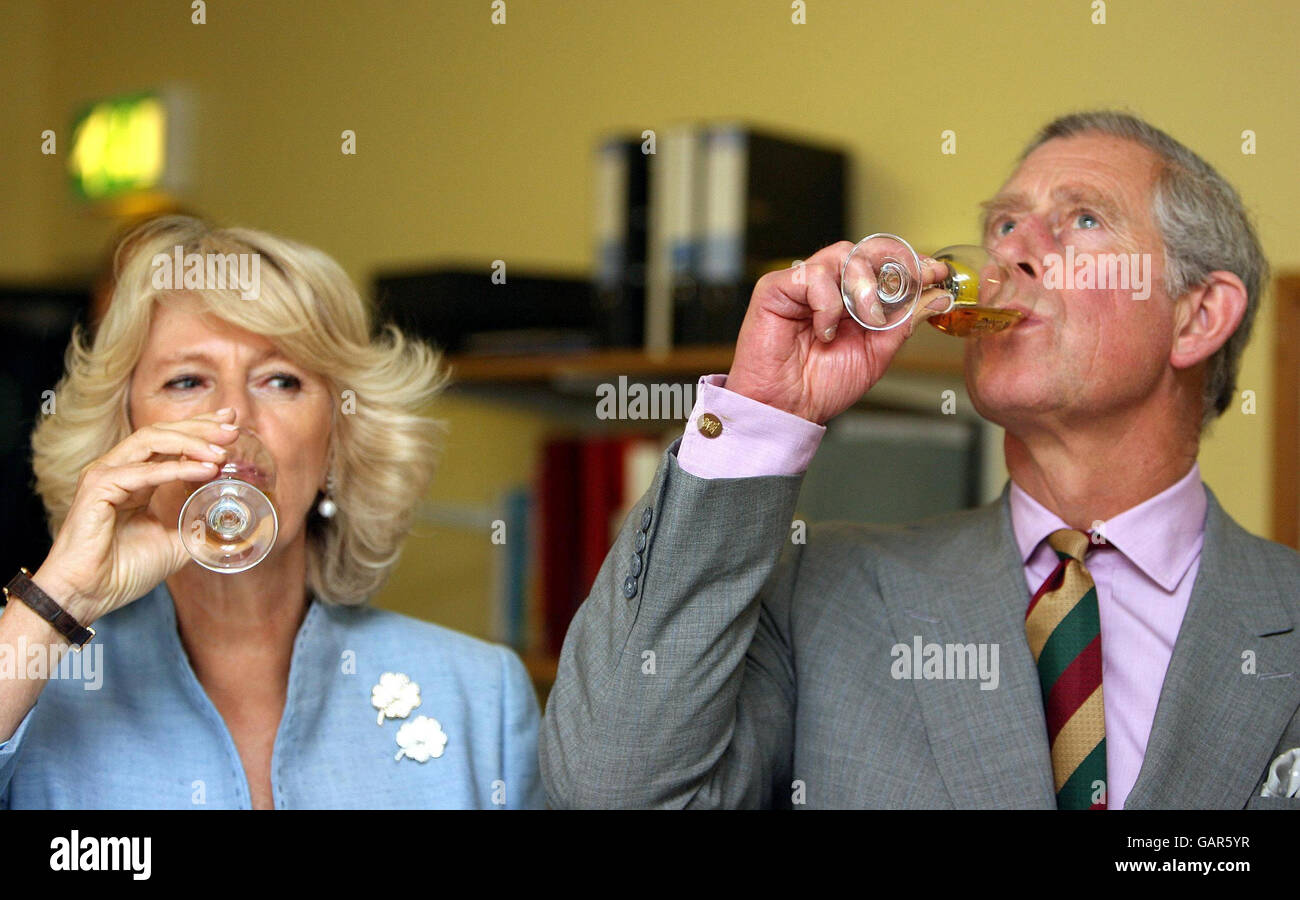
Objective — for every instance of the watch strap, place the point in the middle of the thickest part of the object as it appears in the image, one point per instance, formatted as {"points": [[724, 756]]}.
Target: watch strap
{"points": [[26, 590]]}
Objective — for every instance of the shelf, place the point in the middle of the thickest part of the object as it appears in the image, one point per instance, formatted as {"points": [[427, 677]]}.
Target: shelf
{"points": [[927, 351], [689, 362], [539, 381]]}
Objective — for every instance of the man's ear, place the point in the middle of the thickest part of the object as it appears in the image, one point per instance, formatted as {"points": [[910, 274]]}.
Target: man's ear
{"points": [[1205, 317]]}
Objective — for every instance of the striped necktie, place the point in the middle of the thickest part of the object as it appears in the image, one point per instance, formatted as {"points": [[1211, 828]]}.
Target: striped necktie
{"points": [[1064, 631]]}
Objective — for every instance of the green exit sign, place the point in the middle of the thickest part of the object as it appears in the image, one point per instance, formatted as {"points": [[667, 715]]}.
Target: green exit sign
{"points": [[124, 145]]}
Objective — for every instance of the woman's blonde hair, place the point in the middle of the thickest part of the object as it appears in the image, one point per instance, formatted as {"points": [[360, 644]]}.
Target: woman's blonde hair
{"points": [[383, 446]]}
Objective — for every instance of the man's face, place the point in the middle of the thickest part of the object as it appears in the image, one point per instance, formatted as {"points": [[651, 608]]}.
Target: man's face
{"points": [[1084, 351]]}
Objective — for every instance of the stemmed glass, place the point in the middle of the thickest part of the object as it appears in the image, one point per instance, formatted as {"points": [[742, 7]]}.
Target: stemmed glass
{"points": [[881, 283], [229, 524]]}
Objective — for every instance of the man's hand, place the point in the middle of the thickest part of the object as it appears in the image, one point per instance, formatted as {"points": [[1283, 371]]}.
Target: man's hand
{"points": [[800, 351]]}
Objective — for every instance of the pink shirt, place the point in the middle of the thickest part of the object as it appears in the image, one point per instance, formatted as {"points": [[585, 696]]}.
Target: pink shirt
{"points": [[1144, 571]]}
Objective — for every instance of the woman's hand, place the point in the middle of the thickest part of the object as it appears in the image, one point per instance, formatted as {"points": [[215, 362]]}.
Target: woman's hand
{"points": [[800, 351], [111, 549]]}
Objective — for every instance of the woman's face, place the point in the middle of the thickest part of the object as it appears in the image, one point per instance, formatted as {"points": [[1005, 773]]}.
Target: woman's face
{"points": [[194, 364]]}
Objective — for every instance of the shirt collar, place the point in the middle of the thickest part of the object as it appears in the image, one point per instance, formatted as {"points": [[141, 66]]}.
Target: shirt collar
{"points": [[1161, 535]]}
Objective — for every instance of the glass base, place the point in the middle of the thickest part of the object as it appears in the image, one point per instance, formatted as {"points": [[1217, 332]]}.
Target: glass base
{"points": [[228, 525]]}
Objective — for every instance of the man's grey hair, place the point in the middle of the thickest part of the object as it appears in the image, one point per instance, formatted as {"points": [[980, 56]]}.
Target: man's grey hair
{"points": [[1203, 224]]}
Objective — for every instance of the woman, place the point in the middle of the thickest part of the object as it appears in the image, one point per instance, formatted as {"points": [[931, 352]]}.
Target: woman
{"points": [[276, 687]]}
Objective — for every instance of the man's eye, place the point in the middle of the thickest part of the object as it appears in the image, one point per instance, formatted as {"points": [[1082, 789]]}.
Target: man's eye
{"points": [[1086, 221], [183, 382], [1005, 227]]}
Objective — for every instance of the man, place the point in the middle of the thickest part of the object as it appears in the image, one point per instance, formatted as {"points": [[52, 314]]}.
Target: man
{"points": [[718, 664]]}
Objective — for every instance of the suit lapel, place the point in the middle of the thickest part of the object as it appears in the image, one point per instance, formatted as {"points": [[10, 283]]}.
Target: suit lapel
{"points": [[1215, 725], [967, 585]]}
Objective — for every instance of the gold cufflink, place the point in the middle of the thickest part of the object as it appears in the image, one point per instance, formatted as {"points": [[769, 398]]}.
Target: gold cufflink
{"points": [[710, 425]]}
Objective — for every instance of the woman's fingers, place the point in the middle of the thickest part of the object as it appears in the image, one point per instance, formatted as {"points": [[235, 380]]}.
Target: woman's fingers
{"points": [[195, 438], [126, 476], [118, 485]]}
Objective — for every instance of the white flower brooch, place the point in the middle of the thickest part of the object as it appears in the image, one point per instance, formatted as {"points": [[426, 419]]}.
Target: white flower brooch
{"points": [[420, 739], [395, 696]]}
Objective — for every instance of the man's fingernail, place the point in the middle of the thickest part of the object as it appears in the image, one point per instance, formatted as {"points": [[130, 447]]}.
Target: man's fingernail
{"points": [[225, 412], [940, 304], [829, 333], [876, 313]]}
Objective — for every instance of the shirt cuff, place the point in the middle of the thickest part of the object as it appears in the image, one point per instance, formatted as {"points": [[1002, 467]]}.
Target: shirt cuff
{"points": [[10, 747], [749, 439]]}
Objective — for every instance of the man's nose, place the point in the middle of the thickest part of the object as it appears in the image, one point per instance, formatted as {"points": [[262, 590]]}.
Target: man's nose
{"points": [[1027, 245]]}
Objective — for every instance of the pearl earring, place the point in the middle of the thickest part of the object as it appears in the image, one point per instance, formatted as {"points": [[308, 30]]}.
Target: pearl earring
{"points": [[327, 507]]}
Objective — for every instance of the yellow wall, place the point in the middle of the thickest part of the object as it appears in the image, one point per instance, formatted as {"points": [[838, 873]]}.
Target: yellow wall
{"points": [[474, 140], [27, 180]]}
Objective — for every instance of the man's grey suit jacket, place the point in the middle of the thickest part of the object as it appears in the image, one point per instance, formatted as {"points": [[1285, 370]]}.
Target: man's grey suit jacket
{"points": [[717, 663]]}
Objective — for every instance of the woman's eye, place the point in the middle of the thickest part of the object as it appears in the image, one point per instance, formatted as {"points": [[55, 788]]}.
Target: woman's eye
{"points": [[1086, 221], [287, 382], [183, 382], [1005, 227]]}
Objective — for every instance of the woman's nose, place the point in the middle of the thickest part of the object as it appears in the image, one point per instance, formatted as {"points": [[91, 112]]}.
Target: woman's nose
{"points": [[237, 400]]}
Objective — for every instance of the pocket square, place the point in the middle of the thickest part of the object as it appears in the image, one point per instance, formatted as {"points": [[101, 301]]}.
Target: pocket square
{"points": [[1283, 776]]}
